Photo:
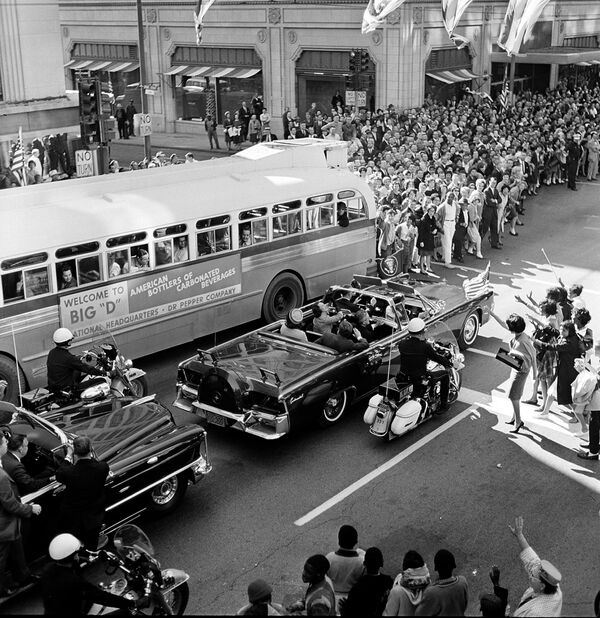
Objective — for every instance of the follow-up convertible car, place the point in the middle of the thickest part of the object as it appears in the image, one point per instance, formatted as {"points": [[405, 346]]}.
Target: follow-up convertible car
{"points": [[152, 458], [260, 381]]}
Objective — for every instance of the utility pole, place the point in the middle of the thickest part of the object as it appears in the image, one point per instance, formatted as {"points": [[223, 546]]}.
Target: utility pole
{"points": [[141, 52]]}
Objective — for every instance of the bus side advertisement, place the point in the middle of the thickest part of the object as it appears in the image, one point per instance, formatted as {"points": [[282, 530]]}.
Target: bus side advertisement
{"points": [[147, 297]]}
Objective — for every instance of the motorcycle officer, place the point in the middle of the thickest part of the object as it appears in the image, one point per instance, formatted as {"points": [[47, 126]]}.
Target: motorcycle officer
{"points": [[64, 590], [415, 351], [64, 368]]}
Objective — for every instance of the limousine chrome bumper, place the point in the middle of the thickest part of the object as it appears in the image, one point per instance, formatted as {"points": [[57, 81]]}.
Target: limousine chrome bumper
{"points": [[252, 421]]}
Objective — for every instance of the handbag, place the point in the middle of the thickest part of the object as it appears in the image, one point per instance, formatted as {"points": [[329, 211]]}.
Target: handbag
{"points": [[504, 356]]}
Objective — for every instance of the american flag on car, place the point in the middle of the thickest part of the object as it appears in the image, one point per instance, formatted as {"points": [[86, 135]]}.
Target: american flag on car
{"points": [[477, 285]]}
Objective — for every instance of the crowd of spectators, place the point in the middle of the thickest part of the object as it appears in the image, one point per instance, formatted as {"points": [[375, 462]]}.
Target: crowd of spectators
{"points": [[350, 582]]}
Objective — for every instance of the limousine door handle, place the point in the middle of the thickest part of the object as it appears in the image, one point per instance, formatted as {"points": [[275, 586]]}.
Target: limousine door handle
{"points": [[152, 460]]}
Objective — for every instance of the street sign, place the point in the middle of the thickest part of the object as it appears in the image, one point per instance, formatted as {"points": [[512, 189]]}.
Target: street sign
{"points": [[350, 97], [361, 98], [85, 163], [142, 124]]}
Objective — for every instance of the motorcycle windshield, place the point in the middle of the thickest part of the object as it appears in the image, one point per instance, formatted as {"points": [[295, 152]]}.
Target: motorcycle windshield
{"points": [[440, 333], [130, 538]]}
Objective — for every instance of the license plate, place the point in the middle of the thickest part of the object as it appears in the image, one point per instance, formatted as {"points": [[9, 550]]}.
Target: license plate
{"points": [[216, 419]]}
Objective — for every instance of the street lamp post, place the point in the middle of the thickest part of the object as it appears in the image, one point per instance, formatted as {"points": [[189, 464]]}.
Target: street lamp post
{"points": [[140, 26]]}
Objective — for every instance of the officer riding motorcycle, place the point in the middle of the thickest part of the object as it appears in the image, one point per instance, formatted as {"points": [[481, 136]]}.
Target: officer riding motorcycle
{"points": [[64, 368], [415, 351]]}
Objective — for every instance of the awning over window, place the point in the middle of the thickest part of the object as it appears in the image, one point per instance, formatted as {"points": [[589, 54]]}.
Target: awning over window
{"points": [[229, 72], [102, 65], [452, 77]]}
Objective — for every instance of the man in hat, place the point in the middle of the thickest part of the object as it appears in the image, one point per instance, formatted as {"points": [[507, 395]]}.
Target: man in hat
{"points": [[574, 153], [319, 599], [259, 597], [544, 596], [130, 111]]}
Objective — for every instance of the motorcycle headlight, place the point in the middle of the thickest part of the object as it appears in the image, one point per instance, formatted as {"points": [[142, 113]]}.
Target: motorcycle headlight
{"points": [[129, 363]]}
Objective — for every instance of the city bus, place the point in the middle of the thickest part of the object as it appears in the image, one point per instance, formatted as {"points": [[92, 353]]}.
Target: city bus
{"points": [[162, 256]]}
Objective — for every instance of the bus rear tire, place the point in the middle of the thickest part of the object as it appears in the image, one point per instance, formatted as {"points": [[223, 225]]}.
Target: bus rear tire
{"points": [[13, 376], [284, 293]]}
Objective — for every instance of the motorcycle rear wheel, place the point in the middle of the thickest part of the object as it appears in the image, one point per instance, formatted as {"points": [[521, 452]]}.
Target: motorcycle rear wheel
{"points": [[139, 387]]}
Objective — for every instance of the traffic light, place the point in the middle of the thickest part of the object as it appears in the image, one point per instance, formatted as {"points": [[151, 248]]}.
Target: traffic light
{"points": [[365, 63], [352, 62], [90, 111]]}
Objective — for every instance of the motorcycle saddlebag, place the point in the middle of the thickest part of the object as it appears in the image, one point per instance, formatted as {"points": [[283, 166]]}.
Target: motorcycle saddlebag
{"points": [[37, 398]]}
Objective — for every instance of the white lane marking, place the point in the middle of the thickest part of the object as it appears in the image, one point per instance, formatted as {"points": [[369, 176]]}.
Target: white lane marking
{"points": [[555, 429], [595, 229], [465, 395]]}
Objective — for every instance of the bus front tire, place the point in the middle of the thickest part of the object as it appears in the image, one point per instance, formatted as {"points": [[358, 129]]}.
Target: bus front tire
{"points": [[284, 293], [13, 376]]}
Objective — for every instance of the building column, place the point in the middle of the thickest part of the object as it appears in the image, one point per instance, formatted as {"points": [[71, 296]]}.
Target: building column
{"points": [[11, 61]]}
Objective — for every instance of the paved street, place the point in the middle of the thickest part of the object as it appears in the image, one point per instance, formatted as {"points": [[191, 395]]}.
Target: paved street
{"points": [[455, 482]]}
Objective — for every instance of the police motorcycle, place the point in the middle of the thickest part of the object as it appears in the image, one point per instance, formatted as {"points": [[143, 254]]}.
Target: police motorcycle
{"points": [[396, 409], [120, 378], [134, 572]]}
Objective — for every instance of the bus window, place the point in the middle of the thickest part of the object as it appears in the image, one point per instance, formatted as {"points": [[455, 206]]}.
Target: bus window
{"points": [[125, 240], [356, 209], [288, 223], [257, 226], [88, 269], [12, 287], [245, 233], [36, 282], [222, 239], [118, 263], [163, 252], [206, 243], [161, 232], [182, 251], [140, 258], [67, 252], [320, 211], [66, 275]]}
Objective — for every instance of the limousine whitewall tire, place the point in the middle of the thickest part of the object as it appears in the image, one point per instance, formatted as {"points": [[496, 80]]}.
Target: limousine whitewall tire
{"points": [[469, 331], [284, 293], [13, 376], [333, 409], [165, 496]]}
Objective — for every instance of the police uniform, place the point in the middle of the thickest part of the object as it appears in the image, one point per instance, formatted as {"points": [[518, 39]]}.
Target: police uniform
{"points": [[63, 369], [414, 354]]}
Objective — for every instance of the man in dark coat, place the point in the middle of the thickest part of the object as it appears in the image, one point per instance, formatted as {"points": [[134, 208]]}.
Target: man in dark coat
{"points": [[130, 111], [18, 446], [83, 502], [489, 217], [12, 511], [121, 118], [574, 153]]}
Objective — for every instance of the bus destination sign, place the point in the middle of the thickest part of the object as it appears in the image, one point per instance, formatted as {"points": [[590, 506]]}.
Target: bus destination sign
{"points": [[148, 297]]}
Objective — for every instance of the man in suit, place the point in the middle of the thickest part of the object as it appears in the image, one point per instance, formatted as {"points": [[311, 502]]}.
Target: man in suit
{"points": [[12, 511], [83, 504], [489, 219], [18, 445], [574, 153]]}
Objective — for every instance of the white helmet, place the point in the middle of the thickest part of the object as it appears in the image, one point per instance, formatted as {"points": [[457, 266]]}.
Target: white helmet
{"points": [[63, 546], [62, 335], [416, 326]]}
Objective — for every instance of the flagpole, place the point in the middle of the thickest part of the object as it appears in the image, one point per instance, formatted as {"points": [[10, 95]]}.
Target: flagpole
{"points": [[512, 77], [23, 174], [142, 54]]}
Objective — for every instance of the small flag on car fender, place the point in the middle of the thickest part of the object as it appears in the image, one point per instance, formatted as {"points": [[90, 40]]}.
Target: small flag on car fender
{"points": [[478, 285]]}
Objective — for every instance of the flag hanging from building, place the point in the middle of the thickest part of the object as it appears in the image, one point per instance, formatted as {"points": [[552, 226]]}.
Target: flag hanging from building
{"points": [[376, 12], [17, 166], [521, 16], [504, 95], [202, 7], [477, 285], [452, 11]]}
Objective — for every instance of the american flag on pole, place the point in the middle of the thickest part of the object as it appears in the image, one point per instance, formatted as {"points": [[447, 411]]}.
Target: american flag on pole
{"points": [[376, 12], [18, 160], [520, 18], [202, 7], [452, 11], [478, 285], [503, 96]]}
